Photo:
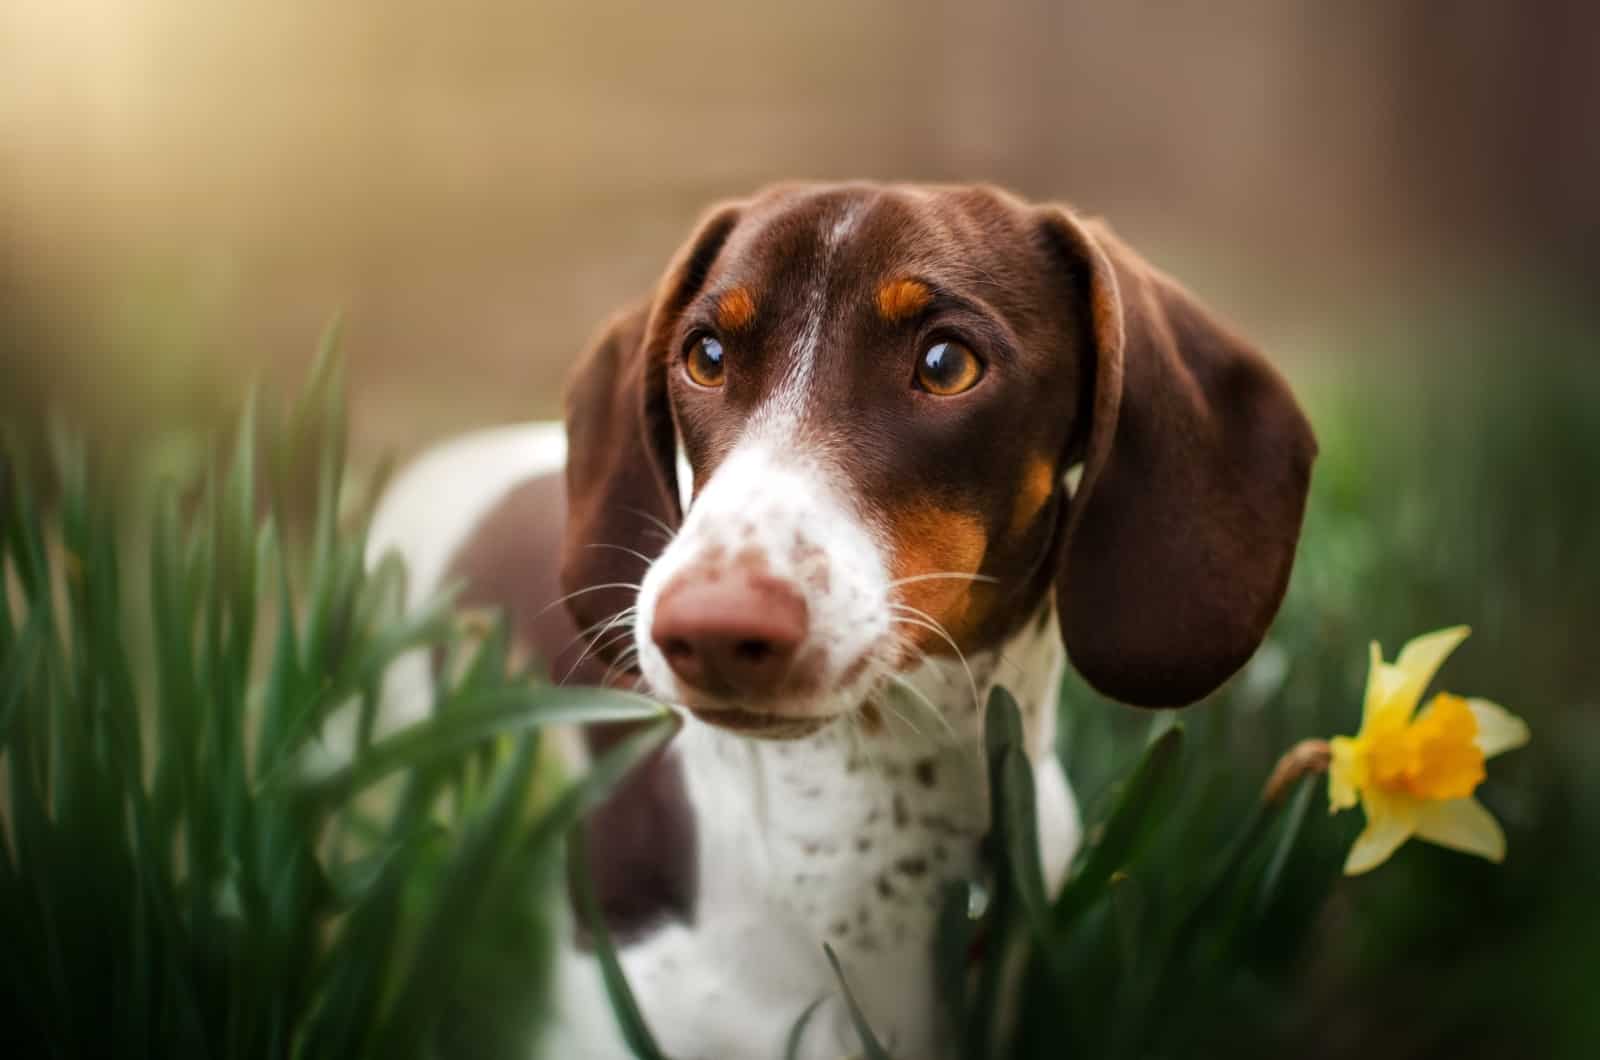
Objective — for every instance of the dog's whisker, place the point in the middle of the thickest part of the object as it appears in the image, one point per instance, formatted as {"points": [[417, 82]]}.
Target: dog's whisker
{"points": [[971, 750], [626, 612], [927, 621], [940, 576], [907, 722], [623, 618], [938, 714], [619, 637], [917, 656], [624, 659], [635, 586], [1018, 668], [592, 644], [655, 519], [622, 548]]}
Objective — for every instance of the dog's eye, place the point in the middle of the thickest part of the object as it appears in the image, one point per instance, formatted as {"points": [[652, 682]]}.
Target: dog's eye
{"points": [[704, 361], [948, 368]]}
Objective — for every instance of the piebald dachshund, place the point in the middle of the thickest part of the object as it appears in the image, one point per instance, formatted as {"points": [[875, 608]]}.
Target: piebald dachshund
{"points": [[864, 453]]}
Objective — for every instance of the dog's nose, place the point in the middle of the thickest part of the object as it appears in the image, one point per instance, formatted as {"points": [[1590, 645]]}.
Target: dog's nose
{"points": [[732, 633]]}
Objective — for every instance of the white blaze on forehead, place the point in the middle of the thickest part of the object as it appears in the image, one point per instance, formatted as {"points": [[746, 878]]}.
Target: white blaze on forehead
{"points": [[843, 225], [683, 471], [788, 398]]}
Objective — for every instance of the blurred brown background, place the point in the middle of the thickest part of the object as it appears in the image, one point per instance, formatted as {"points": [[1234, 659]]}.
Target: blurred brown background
{"points": [[188, 192]]}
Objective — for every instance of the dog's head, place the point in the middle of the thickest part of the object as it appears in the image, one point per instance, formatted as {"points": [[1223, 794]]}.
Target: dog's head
{"points": [[857, 425]]}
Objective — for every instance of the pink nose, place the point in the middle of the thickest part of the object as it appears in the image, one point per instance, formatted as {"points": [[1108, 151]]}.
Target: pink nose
{"points": [[733, 633]]}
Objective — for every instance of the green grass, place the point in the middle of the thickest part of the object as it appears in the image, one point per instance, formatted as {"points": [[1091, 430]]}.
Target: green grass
{"points": [[186, 869], [182, 874]]}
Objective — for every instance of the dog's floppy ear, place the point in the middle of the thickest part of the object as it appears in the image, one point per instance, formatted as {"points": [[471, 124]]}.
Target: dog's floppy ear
{"points": [[1196, 462], [622, 493]]}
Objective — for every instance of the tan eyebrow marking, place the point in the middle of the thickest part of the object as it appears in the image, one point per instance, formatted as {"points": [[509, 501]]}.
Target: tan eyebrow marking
{"points": [[735, 309], [898, 299]]}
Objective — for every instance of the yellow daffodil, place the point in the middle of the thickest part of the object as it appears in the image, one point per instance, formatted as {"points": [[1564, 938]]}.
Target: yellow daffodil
{"points": [[1413, 771]]}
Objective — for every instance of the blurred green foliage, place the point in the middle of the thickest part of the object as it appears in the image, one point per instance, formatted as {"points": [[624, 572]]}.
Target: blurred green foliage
{"points": [[1470, 497]]}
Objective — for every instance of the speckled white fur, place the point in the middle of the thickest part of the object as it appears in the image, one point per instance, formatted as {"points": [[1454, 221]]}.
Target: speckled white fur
{"points": [[838, 837]]}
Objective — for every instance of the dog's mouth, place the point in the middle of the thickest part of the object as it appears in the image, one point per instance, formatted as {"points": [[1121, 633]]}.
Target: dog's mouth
{"points": [[758, 724]]}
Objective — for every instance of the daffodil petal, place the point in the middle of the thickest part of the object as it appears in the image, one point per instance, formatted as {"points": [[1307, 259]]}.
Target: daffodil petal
{"points": [[1499, 730], [1420, 660], [1382, 680], [1390, 823], [1341, 774], [1464, 825]]}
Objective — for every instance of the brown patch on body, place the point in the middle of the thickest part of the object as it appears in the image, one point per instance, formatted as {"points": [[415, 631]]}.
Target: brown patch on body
{"points": [[735, 309], [934, 540], [1038, 483], [899, 299]]}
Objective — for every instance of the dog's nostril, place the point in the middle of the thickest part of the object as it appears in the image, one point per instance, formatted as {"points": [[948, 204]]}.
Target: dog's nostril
{"points": [[677, 648], [752, 650]]}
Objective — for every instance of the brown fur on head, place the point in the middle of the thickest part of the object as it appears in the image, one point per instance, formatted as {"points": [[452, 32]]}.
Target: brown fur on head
{"points": [[1169, 560]]}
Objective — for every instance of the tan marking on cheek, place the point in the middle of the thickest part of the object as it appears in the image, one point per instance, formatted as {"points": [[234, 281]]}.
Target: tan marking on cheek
{"points": [[899, 299], [735, 309], [933, 540], [1038, 482]]}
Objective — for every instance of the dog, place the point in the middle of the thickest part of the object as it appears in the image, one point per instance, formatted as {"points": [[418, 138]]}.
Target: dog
{"points": [[866, 452]]}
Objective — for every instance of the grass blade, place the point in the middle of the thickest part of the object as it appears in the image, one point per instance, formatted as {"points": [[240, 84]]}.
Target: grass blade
{"points": [[597, 784], [629, 1019], [320, 777], [1126, 828], [418, 1002], [1294, 820], [871, 1048], [1015, 817], [797, 1033]]}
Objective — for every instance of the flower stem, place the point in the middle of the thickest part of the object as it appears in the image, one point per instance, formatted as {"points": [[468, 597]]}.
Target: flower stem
{"points": [[1305, 757]]}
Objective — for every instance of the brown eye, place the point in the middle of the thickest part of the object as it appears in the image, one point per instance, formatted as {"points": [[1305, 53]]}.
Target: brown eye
{"points": [[704, 361], [948, 368]]}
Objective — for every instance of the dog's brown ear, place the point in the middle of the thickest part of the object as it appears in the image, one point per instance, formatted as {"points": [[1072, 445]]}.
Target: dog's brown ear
{"points": [[622, 492], [1196, 462]]}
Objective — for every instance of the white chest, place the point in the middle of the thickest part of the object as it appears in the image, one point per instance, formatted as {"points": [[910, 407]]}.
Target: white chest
{"points": [[846, 837]]}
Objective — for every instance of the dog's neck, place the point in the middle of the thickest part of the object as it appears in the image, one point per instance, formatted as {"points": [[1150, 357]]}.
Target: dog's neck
{"points": [[848, 836], [847, 832]]}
